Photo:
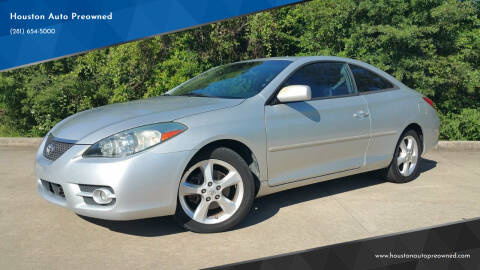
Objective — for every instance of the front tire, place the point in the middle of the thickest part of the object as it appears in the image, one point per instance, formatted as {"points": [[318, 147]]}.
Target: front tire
{"points": [[406, 159], [215, 193]]}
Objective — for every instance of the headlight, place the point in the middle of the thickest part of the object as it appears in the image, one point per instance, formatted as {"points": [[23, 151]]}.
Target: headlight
{"points": [[132, 141]]}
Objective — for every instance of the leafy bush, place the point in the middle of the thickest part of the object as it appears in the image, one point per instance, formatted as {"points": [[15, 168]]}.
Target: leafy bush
{"points": [[463, 126], [6, 131]]}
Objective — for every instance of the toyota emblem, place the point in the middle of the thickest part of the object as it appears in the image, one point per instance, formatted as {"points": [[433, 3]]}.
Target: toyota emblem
{"points": [[50, 148]]}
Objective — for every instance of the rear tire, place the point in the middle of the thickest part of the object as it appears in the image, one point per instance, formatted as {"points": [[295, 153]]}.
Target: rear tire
{"points": [[406, 159], [216, 192]]}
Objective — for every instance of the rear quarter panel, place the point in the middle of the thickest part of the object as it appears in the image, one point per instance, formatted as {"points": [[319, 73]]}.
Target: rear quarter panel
{"points": [[430, 123], [391, 112]]}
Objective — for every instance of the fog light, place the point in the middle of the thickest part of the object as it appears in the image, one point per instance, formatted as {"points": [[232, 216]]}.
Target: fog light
{"points": [[102, 196]]}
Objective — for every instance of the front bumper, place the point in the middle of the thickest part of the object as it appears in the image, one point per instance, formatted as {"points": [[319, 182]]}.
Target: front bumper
{"points": [[145, 184]]}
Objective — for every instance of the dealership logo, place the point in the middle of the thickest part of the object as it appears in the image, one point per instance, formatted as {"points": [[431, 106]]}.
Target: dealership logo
{"points": [[50, 148]]}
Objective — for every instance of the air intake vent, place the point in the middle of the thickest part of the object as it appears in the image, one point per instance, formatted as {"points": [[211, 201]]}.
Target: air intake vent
{"points": [[54, 149], [53, 188]]}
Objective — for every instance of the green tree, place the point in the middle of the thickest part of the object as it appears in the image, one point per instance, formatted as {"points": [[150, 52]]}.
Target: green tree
{"points": [[432, 46]]}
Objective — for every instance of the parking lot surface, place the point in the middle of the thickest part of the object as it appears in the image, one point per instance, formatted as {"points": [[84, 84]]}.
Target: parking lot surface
{"points": [[36, 234]]}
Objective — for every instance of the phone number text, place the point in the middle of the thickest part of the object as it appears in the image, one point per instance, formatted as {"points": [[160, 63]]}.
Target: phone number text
{"points": [[32, 31]]}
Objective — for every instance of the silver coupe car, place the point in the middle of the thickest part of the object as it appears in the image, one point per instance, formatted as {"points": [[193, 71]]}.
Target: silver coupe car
{"points": [[204, 150]]}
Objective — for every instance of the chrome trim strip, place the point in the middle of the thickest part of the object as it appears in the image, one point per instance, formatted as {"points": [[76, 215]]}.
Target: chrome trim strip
{"points": [[383, 133], [307, 144], [63, 140], [313, 177], [323, 98], [85, 194], [90, 194], [379, 91]]}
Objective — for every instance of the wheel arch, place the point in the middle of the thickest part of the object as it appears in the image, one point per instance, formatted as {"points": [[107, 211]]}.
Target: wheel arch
{"points": [[240, 148], [418, 129], [411, 126]]}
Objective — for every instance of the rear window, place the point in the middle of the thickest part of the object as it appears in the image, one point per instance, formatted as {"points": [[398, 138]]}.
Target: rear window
{"points": [[369, 81]]}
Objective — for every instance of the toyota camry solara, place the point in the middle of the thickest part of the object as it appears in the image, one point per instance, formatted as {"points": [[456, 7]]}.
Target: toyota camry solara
{"points": [[204, 150]]}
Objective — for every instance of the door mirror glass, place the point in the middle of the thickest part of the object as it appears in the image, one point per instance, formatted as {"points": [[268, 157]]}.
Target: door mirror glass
{"points": [[294, 93]]}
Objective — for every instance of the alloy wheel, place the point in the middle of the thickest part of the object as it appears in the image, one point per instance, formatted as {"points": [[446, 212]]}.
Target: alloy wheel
{"points": [[407, 156], [211, 191]]}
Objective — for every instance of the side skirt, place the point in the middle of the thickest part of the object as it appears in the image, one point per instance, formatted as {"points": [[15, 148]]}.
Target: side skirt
{"points": [[265, 189]]}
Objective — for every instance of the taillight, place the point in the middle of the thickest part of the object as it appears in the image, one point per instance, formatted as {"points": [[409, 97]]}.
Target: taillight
{"points": [[429, 101]]}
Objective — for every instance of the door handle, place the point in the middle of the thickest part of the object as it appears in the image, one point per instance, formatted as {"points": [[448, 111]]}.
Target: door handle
{"points": [[361, 114]]}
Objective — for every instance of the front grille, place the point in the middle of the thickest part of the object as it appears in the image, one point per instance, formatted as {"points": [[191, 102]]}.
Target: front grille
{"points": [[54, 149], [55, 189]]}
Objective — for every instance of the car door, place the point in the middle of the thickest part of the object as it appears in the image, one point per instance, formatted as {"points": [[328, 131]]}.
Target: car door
{"points": [[324, 135]]}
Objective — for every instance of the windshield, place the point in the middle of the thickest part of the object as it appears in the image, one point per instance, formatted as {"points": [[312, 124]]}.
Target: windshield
{"points": [[238, 80]]}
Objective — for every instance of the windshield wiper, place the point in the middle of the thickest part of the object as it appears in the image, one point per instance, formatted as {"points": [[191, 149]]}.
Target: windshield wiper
{"points": [[194, 95]]}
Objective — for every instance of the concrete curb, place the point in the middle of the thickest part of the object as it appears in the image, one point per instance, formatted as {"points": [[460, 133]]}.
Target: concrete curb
{"points": [[20, 141], [442, 145], [458, 145]]}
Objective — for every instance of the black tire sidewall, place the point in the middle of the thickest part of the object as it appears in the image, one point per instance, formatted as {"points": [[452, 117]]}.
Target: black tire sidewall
{"points": [[394, 174], [234, 159]]}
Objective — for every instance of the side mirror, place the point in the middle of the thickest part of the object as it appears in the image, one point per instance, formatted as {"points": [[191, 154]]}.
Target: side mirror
{"points": [[293, 93]]}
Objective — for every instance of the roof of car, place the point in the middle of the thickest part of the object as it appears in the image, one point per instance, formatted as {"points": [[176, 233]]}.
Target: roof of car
{"points": [[307, 59], [295, 58]]}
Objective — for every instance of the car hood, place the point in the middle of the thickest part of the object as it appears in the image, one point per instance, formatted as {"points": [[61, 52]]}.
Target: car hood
{"points": [[90, 126]]}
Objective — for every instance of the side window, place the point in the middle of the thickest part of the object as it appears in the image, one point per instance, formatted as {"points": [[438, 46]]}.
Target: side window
{"points": [[325, 79], [369, 81]]}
